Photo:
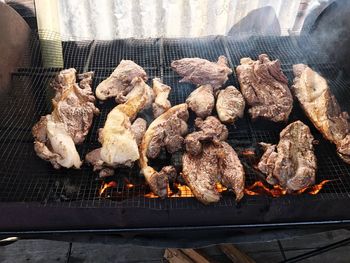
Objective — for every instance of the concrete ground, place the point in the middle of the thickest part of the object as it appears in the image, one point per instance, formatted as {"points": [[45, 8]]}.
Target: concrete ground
{"points": [[274, 251]]}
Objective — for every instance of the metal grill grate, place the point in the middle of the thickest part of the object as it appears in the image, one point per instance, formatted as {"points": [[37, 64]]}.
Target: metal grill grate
{"points": [[25, 177]]}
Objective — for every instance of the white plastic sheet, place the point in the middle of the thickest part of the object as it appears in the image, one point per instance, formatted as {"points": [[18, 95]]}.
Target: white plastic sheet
{"points": [[111, 19]]}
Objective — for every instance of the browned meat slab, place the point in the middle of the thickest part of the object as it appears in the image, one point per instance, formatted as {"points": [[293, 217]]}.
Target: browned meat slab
{"points": [[209, 160], [201, 173], [292, 163], [265, 88], [231, 169], [217, 163], [230, 105], [201, 71], [202, 101], [322, 108], [119, 83]]}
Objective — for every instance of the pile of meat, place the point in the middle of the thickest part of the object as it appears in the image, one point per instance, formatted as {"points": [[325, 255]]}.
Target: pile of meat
{"points": [[208, 160]]}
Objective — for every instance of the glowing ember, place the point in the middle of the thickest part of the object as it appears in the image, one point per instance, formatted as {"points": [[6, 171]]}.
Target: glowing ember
{"points": [[129, 185], [259, 188], [151, 195], [248, 192], [105, 186], [248, 152]]}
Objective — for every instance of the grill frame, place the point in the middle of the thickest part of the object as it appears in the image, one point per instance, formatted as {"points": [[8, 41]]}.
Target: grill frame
{"points": [[50, 189]]}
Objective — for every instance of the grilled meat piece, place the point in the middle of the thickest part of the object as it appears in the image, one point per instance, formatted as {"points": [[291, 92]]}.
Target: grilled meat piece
{"points": [[54, 144], [165, 131], [119, 146], [161, 92], [230, 105], [218, 162], [231, 169], [201, 172], [119, 83], [210, 129], [74, 104], [169, 134], [119, 142], [201, 101], [159, 181], [265, 88], [322, 108], [292, 163], [201, 71], [56, 134]]}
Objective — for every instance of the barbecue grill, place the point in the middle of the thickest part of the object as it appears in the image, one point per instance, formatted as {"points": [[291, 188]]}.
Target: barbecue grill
{"points": [[37, 199]]}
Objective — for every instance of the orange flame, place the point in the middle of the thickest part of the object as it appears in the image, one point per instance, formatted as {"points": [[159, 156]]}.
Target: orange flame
{"points": [[183, 191], [318, 187], [220, 187], [259, 188], [105, 186]]}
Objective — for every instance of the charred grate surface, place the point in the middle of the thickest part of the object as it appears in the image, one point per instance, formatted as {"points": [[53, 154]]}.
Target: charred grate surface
{"points": [[76, 53], [146, 53], [26, 178]]}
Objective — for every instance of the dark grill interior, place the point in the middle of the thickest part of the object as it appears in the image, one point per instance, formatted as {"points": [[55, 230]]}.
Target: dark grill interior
{"points": [[26, 178]]}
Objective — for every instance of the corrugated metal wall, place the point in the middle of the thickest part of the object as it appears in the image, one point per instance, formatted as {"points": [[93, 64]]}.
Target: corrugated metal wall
{"points": [[111, 19]]}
